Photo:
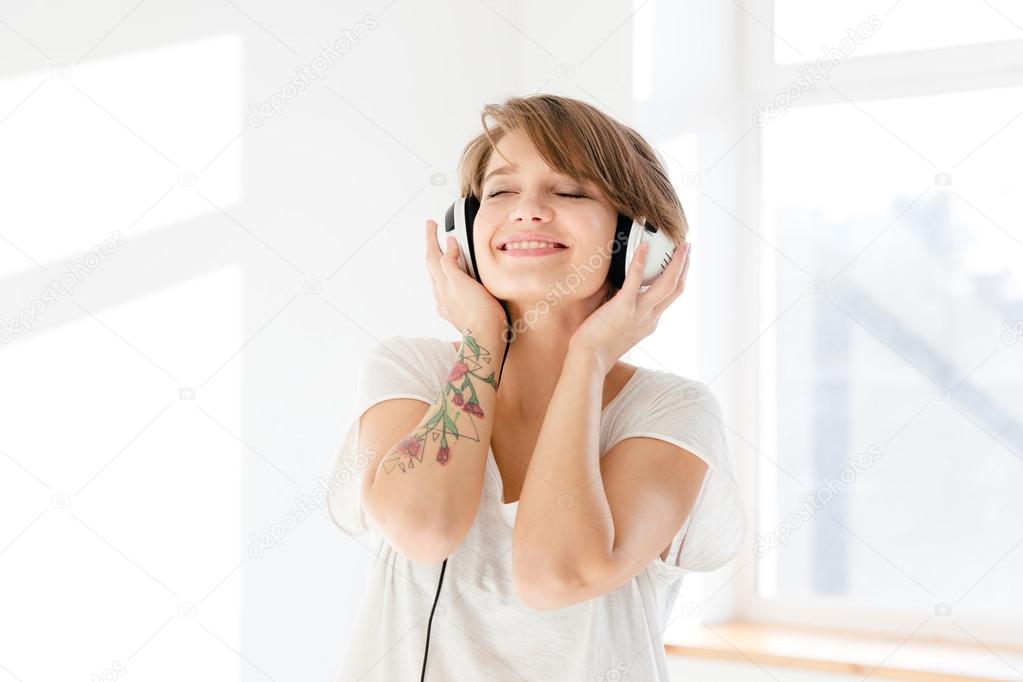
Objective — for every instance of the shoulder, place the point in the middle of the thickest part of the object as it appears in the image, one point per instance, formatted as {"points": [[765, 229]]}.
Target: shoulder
{"points": [[416, 345], [670, 389], [672, 406], [418, 355]]}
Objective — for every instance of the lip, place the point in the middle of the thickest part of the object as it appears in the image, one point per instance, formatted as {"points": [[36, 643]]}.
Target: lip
{"points": [[532, 253], [529, 237]]}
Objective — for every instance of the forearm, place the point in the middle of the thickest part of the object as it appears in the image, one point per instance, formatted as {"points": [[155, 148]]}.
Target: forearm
{"points": [[563, 519], [432, 478]]}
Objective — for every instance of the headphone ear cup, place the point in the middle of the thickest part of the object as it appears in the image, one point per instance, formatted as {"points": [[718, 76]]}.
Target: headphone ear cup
{"points": [[458, 223], [629, 234], [472, 207], [619, 251], [659, 252]]}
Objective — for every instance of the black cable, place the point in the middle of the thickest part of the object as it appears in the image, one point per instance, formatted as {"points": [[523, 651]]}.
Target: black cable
{"points": [[444, 566], [508, 335], [422, 678]]}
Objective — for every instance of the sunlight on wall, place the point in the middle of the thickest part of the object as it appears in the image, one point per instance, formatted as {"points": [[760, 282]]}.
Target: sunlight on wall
{"points": [[135, 490], [100, 150]]}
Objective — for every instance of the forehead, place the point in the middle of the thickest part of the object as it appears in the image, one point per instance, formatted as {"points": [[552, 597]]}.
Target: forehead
{"points": [[523, 157], [518, 149]]}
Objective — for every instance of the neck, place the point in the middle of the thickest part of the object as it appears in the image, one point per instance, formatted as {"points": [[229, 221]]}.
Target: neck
{"points": [[538, 350]]}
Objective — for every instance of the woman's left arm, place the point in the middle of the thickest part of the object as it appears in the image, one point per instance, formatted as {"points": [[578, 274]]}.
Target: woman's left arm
{"points": [[583, 525], [563, 519], [586, 524]]}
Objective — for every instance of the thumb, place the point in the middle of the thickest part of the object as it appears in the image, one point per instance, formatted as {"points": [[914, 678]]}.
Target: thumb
{"points": [[452, 257]]}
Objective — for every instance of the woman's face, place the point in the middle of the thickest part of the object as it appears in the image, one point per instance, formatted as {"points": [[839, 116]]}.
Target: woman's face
{"points": [[532, 198]]}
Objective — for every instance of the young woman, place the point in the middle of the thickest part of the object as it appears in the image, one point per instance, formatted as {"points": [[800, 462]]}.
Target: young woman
{"points": [[533, 501]]}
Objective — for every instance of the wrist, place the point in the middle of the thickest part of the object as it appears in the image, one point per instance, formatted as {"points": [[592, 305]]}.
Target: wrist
{"points": [[485, 332], [587, 359]]}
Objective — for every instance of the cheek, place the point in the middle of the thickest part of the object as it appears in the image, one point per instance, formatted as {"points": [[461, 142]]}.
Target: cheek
{"points": [[597, 233], [483, 230]]}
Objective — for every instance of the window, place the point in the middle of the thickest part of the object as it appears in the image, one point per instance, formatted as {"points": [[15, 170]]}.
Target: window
{"points": [[891, 376], [803, 26]]}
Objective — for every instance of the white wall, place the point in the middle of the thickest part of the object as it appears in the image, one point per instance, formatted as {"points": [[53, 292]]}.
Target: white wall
{"points": [[190, 387], [120, 501]]}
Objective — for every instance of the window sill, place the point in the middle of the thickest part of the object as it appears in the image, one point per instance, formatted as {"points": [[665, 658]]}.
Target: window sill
{"points": [[850, 653]]}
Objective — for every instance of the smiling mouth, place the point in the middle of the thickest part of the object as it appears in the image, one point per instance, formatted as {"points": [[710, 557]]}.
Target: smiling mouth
{"points": [[520, 252], [533, 245]]}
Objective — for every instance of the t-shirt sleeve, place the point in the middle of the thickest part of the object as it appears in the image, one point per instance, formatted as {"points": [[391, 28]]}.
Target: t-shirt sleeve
{"points": [[396, 367], [686, 413]]}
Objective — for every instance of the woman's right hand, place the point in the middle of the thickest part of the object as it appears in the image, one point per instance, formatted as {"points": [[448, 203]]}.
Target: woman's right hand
{"points": [[461, 300]]}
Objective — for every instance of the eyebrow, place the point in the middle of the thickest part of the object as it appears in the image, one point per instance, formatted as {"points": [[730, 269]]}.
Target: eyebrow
{"points": [[510, 169], [502, 170]]}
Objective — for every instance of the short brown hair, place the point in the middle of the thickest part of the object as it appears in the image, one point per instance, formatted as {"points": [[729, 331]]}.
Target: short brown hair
{"points": [[580, 141]]}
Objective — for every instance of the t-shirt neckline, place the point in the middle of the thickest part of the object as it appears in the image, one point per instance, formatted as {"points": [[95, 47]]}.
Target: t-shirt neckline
{"points": [[492, 461]]}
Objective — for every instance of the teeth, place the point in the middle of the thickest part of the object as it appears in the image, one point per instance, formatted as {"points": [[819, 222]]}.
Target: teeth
{"points": [[529, 245]]}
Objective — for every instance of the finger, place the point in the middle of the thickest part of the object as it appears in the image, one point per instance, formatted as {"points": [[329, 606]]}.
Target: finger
{"points": [[449, 262], [685, 268], [432, 245], [665, 282], [433, 253], [634, 277], [456, 251], [680, 283]]}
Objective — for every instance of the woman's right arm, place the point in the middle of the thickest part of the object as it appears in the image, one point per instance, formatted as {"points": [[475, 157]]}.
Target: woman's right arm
{"points": [[424, 481]]}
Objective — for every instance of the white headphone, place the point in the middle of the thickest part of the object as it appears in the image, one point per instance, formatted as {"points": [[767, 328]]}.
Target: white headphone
{"points": [[629, 234]]}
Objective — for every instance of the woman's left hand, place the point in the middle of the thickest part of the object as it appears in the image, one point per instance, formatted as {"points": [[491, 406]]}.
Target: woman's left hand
{"points": [[631, 315]]}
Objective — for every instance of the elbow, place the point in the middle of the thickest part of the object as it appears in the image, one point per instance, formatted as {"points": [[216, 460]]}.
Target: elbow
{"points": [[416, 536], [423, 546], [421, 543], [547, 590]]}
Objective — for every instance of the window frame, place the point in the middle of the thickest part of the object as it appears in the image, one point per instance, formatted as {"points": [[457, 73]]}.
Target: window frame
{"points": [[952, 69]]}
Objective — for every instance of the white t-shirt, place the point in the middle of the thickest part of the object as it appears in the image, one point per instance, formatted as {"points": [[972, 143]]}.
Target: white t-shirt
{"points": [[481, 630]]}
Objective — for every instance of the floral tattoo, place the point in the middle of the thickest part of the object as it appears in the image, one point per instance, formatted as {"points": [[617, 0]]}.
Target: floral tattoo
{"points": [[458, 397]]}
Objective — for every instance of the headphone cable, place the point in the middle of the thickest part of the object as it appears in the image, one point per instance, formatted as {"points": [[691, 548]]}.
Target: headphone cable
{"points": [[444, 566]]}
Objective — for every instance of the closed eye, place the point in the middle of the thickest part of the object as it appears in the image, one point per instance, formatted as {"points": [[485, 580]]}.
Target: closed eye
{"points": [[560, 194]]}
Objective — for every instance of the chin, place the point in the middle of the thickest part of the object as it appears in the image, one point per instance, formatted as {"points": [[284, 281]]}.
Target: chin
{"points": [[524, 293], [549, 292]]}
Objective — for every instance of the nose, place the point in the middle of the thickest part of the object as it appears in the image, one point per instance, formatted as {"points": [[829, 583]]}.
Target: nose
{"points": [[531, 209]]}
